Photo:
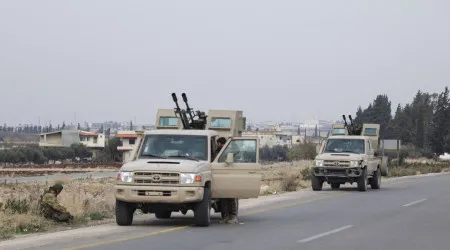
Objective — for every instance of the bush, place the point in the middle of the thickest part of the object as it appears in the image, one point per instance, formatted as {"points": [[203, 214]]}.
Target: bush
{"points": [[306, 174], [304, 151], [289, 181], [19, 206]]}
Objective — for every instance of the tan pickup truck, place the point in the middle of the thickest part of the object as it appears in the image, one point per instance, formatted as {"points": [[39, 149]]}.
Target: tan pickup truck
{"points": [[347, 157], [173, 169]]}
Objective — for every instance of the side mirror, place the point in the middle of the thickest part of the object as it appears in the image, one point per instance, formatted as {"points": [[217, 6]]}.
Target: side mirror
{"points": [[230, 158]]}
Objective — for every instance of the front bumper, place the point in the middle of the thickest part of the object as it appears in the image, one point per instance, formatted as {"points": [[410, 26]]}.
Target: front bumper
{"points": [[339, 172], [158, 194]]}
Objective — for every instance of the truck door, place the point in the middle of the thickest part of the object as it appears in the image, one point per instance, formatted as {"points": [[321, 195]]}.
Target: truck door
{"points": [[236, 171]]}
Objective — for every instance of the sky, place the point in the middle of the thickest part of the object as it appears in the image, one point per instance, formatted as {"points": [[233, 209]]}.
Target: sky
{"points": [[274, 60]]}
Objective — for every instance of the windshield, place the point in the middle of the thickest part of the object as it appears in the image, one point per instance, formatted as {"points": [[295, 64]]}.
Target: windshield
{"points": [[345, 145], [192, 147]]}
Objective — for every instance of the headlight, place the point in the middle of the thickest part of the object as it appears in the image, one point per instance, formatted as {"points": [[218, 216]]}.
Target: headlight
{"points": [[190, 178], [124, 176], [319, 163], [354, 164]]}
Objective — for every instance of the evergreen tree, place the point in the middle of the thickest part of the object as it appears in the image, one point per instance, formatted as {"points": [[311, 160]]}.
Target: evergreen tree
{"points": [[440, 124]]}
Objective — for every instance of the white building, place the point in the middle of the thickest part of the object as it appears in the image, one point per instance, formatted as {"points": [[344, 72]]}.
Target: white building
{"points": [[129, 146], [65, 138], [270, 138]]}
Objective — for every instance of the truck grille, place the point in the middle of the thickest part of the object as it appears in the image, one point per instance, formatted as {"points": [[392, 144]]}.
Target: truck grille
{"points": [[329, 163], [156, 178]]}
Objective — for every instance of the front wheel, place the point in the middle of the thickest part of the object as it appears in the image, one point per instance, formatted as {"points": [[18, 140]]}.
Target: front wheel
{"points": [[316, 183], [375, 181], [362, 181], [124, 213], [202, 212]]}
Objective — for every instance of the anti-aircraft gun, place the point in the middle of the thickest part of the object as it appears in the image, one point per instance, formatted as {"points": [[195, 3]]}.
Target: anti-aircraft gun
{"points": [[191, 122], [352, 129]]}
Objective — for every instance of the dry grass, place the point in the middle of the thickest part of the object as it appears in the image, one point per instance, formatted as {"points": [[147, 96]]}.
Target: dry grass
{"points": [[418, 168], [285, 179], [85, 199]]}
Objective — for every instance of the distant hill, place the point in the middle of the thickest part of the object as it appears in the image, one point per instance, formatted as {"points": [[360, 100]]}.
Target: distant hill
{"points": [[11, 137]]}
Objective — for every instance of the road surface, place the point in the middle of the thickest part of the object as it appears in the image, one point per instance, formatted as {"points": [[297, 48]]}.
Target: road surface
{"points": [[405, 214]]}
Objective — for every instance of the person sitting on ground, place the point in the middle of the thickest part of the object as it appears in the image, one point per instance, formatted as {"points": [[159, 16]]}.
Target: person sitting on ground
{"points": [[50, 207]]}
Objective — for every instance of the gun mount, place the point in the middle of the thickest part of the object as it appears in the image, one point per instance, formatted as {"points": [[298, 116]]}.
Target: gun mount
{"points": [[189, 122], [352, 129]]}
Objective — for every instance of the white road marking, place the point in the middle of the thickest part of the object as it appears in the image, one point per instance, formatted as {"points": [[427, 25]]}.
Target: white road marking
{"points": [[414, 202], [325, 234]]}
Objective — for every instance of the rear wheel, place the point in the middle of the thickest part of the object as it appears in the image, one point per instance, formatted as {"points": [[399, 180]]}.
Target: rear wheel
{"points": [[124, 213], [335, 185], [316, 183], [202, 212], [163, 214]]}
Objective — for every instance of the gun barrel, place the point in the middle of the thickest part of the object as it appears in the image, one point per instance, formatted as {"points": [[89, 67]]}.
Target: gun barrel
{"points": [[188, 109]]}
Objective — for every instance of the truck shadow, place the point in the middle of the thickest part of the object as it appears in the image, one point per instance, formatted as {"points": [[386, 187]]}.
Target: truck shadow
{"points": [[176, 220], [353, 189]]}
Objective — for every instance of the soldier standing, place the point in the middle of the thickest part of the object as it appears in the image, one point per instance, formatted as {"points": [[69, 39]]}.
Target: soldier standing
{"points": [[228, 206], [51, 208]]}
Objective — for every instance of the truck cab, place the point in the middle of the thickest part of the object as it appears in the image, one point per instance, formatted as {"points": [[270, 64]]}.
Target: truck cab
{"points": [[173, 169]]}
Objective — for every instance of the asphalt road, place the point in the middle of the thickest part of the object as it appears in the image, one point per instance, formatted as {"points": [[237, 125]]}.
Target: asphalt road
{"points": [[408, 214]]}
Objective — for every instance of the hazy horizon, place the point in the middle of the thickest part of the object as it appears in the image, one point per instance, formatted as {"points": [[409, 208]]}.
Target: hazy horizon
{"points": [[286, 60]]}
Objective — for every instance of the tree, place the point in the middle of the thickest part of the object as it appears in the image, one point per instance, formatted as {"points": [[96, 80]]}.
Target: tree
{"points": [[111, 149], [440, 124], [303, 151]]}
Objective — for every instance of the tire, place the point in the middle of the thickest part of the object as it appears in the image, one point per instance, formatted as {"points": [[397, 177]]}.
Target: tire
{"points": [[202, 211], [316, 183], [163, 214], [362, 181], [335, 185], [124, 213], [375, 181]]}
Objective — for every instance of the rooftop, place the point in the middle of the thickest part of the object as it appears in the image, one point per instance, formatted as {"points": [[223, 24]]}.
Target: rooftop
{"points": [[349, 137], [181, 132]]}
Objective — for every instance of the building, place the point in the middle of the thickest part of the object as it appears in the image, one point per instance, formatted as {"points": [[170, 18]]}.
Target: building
{"points": [[270, 138], [65, 138], [129, 146]]}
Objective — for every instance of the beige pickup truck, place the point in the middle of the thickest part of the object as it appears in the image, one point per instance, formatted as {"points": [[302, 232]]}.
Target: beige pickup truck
{"points": [[344, 157], [173, 169]]}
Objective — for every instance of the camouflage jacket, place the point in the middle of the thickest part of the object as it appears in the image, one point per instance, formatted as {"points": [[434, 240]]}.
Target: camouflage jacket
{"points": [[50, 202]]}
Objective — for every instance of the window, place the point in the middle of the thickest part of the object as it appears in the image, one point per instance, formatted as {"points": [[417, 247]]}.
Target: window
{"points": [[95, 140], [175, 146], [132, 141], [244, 151], [355, 146], [217, 122], [168, 121], [370, 131], [338, 131]]}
